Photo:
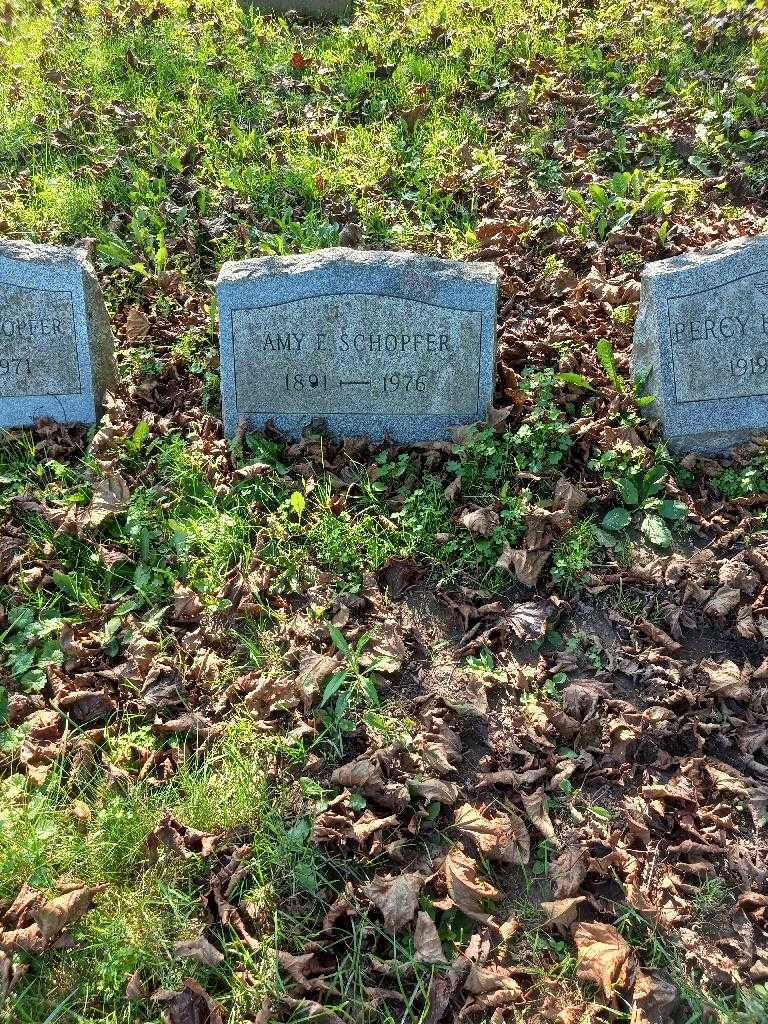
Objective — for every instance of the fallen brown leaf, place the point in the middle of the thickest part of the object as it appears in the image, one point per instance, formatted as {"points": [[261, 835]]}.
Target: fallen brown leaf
{"points": [[502, 837], [465, 889], [199, 949], [605, 958], [427, 946], [110, 495], [396, 898]]}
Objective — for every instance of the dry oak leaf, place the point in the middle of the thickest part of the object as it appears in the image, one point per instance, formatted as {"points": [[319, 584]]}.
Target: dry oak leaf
{"points": [[581, 1013], [438, 790], [426, 942], [502, 838], [11, 974], [536, 808], [334, 825], [528, 620], [481, 521], [136, 325], [110, 495], [725, 679], [199, 949], [299, 967], [314, 671], [653, 999], [569, 870], [715, 966], [726, 780], [53, 916], [180, 839], [22, 940], [465, 889], [527, 565], [396, 898], [563, 913], [441, 750], [192, 1005], [618, 292], [368, 824], [485, 978], [187, 606], [605, 958], [309, 1010]]}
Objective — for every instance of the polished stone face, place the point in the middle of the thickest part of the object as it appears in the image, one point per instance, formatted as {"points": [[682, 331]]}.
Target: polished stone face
{"points": [[702, 341], [368, 342], [55, 339]]}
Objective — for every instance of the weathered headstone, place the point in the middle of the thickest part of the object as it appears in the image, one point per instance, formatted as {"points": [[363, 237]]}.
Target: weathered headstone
{"points": [[369, 342], [55, 339], [320, 10], [702, 340]]}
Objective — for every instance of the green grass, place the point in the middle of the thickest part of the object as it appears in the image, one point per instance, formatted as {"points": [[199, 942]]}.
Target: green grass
{"points": [[150, 902], [192, 111]]}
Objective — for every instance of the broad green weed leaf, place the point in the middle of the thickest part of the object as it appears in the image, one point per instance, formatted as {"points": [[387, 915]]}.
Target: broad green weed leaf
{"points": [[627, 488], [673, 510], [616, 519], [656, 531]]}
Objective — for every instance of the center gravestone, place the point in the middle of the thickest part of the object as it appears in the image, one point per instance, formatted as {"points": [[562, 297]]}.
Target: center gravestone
{"points": [[701, 344], [376, 343], [56, 358]]}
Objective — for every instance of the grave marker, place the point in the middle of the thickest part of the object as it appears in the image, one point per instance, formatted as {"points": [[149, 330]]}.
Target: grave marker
{"points": [[368, 342], [702, 340], [55, 339], [319, 10]]}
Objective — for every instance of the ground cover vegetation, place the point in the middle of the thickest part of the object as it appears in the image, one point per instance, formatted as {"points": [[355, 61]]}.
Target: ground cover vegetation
{"points": [[346, 732]]}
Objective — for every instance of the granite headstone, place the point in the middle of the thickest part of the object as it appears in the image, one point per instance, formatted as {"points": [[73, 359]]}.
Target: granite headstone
{"points": [[376, 343], [701, 345], [318, 10], [55, 339]]}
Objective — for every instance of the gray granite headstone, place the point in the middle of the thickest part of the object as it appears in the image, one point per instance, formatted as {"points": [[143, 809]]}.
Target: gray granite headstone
{"points": [[320, 10], [55, 338], [702, 341], [365, 342]]}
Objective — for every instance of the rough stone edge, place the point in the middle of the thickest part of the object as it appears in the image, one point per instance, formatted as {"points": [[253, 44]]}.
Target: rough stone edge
{"points": [[101, 343], [715, 443], [61, 256], [646, 357], [694, 259], [371, 260]]}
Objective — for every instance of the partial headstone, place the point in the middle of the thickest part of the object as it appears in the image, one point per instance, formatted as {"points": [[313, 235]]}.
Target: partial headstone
{"points": [[319, 10], [376, 343], [701, 341], [55, 340]]}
